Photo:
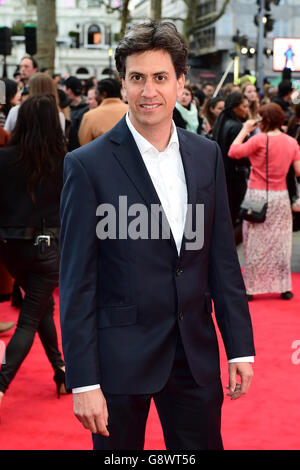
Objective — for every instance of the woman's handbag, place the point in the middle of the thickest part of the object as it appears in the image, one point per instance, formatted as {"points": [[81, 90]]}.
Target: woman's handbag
{"points": [[255, 211]]}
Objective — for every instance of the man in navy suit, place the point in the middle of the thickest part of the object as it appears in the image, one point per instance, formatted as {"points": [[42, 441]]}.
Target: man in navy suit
{"points": [[137, 283]]}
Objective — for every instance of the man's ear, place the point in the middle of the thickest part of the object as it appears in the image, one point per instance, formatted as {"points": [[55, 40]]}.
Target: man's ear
{"points": [[180, 85], [124, 89]]}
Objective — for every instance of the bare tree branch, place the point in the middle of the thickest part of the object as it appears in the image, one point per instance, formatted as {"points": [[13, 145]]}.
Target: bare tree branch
{"points": [[192, 23], [124, 17], [46, 33], [207, 20], [155, 9]]}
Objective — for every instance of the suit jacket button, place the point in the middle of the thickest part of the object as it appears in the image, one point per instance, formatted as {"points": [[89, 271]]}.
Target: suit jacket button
{"points": [[180, 316], [178, 272]]}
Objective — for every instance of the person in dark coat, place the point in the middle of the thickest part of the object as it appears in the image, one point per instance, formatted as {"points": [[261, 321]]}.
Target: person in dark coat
{"points": [[226, 128]]}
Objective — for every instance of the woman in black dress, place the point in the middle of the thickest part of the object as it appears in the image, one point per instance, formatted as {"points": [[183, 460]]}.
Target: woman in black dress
{"points": [[31, 169]]}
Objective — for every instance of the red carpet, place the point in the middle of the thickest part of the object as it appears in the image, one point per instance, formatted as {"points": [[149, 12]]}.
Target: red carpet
{"points": [[31, 417]]}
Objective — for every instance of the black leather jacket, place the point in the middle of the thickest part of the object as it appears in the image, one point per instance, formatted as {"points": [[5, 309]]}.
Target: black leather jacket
{"points": [[227, 133], [17, 210]]}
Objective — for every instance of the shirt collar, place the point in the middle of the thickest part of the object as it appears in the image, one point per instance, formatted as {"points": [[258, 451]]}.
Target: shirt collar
{"points": [[145, 146]]}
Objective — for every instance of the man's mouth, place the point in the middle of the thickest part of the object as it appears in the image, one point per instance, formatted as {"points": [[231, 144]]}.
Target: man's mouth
{"points": [[150, 106]]}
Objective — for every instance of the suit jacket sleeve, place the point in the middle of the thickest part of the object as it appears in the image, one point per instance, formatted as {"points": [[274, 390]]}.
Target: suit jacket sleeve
{"points": [[225, 277], [78, 276]]}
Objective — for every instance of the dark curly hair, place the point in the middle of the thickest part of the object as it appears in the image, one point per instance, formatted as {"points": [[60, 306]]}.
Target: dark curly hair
{"points": [[153, 35]]}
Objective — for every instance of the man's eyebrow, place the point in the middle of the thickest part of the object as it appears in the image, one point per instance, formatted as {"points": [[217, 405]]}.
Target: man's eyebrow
{"points": [[142, 74], [163, 72]]}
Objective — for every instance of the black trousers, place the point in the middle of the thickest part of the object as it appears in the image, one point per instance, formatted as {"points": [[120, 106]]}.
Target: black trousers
{"points": [[38, 275], [190, 415]]}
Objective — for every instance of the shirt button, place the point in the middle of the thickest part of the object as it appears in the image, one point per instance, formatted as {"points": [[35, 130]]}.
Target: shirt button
{"points": [[180, 316]]}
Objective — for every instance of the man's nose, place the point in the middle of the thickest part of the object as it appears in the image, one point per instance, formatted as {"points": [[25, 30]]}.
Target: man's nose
{"points": [[149, 90]]}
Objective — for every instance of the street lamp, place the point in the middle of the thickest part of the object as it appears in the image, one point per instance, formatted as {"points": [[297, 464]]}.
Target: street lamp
{"points": [[265, 24], [240, 44], [260, 46]]}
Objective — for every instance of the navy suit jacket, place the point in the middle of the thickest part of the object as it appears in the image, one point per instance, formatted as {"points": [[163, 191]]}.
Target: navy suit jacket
{"points": [[123, 301]]}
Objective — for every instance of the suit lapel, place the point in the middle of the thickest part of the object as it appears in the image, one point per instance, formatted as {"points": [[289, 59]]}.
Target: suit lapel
{"points": [[191, 177], [130, 159], [188, 156]]}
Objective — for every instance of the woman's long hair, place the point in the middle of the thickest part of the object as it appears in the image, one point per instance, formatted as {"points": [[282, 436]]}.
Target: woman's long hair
{"points": [[42, 84], [206, 110], [39, 138], [232, 101]]}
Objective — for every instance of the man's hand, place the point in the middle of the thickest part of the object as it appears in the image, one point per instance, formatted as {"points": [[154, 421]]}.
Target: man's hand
{"points": [[91, 410], [245, 371]]}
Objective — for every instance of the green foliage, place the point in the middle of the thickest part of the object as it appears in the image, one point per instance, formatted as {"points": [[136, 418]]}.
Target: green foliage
{"points": [[17, 28]]}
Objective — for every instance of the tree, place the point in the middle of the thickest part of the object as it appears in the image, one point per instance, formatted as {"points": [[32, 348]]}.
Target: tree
{"points": [[155, 9], [124, 17], [46, 33], [193, 23], [123, 8]]}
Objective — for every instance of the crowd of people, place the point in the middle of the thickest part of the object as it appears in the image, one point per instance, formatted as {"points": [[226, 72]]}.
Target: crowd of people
{"points": [[44, 117]]}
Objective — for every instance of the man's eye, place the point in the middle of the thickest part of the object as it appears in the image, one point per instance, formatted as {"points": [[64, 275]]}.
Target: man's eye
{"points": [[160, 78], [136, 78]]}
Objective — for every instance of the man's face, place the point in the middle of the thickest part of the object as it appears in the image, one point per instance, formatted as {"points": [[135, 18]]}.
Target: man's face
{"points": [[208, 91], [91, 99], [151, 88], [27, 69]]}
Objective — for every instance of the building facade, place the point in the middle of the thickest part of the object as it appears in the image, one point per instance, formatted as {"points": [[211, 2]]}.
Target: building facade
{"points": [[85, 34], [211, 47]]}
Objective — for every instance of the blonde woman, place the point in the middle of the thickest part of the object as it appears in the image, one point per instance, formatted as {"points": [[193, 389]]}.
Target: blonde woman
{"points": [[250, 92]]}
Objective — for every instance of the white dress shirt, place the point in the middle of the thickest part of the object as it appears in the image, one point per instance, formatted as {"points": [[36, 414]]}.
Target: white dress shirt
{"points": [[167, 175]]}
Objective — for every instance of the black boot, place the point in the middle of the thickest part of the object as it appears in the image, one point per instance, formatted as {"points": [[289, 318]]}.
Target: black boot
{"points": [[287, 295]]}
